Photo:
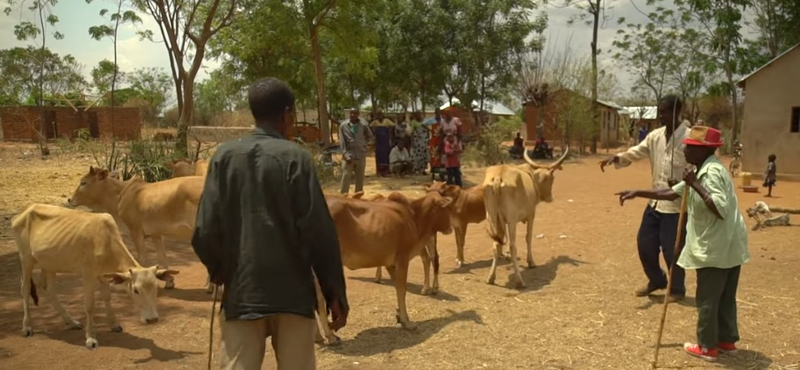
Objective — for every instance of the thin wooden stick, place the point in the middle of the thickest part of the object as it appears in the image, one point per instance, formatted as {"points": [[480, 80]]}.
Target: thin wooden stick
{"points": [[211, 328], [678, 236]]}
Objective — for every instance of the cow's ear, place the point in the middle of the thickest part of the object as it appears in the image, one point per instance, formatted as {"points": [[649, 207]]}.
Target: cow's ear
{"points": [[445, 202], [118, 277], [427, 186], [164, 275], [102, 174], [91, 170]]}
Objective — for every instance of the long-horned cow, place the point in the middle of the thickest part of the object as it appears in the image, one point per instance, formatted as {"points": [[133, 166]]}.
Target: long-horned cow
{"points": [[390, 233], [155, 210], [61, 240], [511, 194]]}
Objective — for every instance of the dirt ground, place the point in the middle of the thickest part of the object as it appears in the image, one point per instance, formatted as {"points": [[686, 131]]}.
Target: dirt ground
{"points": [[578, 311]]}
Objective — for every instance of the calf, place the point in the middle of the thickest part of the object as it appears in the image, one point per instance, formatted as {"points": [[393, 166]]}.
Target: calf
{"points": [[155, 210], [511, 194], [61, 240], [468, 208], [389, 233]]}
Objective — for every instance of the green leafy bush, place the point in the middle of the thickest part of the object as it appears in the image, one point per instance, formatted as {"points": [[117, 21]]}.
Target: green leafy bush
{"points": [[485, 148]]}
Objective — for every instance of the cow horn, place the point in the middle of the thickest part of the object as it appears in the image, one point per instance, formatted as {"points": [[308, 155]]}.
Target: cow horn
{"points": [[558, 163], [530, 161]]}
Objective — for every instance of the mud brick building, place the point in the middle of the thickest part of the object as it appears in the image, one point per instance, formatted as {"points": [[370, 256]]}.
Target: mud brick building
{"points": [[21, 123]]}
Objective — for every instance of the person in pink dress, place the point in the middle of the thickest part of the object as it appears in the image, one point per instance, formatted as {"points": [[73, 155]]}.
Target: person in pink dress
{"points": [[452, 150]]}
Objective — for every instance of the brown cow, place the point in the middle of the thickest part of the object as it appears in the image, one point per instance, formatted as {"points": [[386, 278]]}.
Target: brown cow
{"points": [[468, 208], [183, 167], [511, 194], [390, 233], [164, 208]]}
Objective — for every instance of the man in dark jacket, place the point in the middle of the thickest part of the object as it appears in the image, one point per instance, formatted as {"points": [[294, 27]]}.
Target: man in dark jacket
{"points": [[262, 227]]}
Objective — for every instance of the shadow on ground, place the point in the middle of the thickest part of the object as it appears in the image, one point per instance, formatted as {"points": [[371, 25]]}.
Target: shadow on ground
{"points": [[387, 339]]}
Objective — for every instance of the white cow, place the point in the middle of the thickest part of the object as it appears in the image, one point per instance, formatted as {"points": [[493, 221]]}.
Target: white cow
{"points": [[61, 240], [511, 194]]}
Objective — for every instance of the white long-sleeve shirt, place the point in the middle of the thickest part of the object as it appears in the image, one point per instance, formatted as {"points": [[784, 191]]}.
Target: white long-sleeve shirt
{"points": [[667, 161], [399, 155]]}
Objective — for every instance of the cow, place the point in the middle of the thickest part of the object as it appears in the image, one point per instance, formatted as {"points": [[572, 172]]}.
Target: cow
{"points": [[155, 210], [468, 208], [183, 167], [390, 233], [62, 240], [511, 194]]}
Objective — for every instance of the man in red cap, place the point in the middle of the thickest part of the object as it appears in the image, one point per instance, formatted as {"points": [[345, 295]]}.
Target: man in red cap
{"points": [[716, 241]]}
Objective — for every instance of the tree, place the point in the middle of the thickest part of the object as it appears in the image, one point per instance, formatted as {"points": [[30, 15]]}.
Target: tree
{"points": [[186, 27], [103, 75], [122, 14], [721, 22], [62, 75], [27, 30], [646, 51], [151, 87]]}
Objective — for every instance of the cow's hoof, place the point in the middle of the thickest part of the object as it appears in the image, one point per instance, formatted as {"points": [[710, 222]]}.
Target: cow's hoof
{"points": [[74, 325], [27, 332], [210, 289], [531, 265], [333, 341], [116, 328], [377, 281], [91, 343], [434, 290], [490, 280], [170, 284], [425, 291], [409, 327], [459, 264], [520, 284]]}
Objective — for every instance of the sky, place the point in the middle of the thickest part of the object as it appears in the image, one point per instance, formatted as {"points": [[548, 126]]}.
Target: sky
{"points": [[75, 18]]}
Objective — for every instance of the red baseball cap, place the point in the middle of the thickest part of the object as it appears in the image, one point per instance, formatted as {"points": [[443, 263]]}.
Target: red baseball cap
{"points": [[704, 136]]}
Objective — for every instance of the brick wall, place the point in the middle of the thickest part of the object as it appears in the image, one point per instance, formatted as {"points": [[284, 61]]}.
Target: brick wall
{"points": [[20, 123]]}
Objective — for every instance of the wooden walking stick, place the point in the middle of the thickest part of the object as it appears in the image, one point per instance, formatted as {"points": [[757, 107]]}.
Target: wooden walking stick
{"points": [[678, 236], [211, 328]]}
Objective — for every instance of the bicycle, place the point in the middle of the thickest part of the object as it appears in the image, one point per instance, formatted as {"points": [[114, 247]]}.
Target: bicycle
{"points": [[736, 164]]}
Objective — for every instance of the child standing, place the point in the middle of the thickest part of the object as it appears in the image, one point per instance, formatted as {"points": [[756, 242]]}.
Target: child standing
{"points": [[770, 175], [452, 150], [716, 241]]}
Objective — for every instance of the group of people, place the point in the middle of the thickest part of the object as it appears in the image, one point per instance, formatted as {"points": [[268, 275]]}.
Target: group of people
{"points": [[264, 231], [714, 235], [401, 148]]}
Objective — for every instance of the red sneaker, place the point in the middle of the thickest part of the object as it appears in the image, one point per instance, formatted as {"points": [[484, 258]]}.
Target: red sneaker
{"points": [[703, 353], [727, 347]]}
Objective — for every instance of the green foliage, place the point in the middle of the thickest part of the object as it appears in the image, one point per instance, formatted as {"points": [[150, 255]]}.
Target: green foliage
{"points": [[326, 173], [59, 75], [103, 75], [143, 158], [485, 149], [151, 87]]}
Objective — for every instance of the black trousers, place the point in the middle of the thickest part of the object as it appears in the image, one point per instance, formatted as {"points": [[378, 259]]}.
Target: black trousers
{"points": [[657, 234], [716, 306], [454, 176]]}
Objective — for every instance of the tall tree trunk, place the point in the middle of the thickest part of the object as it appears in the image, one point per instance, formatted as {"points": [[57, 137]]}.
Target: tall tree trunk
{"points": [[595, 110], [186, 117], [734, 110], [42, 123], [322, 98]]}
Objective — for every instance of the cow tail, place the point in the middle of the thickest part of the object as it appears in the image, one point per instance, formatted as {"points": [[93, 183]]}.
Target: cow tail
{"points": [[34, 295], [495, 222]]}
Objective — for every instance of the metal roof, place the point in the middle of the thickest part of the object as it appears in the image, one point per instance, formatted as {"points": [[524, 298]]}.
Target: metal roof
{"points": [[489, 106], [644, 112]]}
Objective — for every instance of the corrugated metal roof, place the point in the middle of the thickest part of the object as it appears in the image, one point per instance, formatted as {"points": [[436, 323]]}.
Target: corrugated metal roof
{"points": [[609, 104], [493, 107], [644, 112]]}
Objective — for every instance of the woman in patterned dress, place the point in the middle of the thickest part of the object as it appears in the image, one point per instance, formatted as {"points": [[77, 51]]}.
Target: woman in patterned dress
{"points": [[419, 144]]}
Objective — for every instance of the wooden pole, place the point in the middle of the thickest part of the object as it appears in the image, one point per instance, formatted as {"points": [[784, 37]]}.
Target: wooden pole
{"points": [[677, 249]]}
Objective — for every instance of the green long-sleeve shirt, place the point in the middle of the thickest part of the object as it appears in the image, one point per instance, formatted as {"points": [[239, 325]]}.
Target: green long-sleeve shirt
{"points": [[263, 225]]}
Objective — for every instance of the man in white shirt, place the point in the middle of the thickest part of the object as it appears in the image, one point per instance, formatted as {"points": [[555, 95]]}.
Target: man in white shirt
{"points": [[658, 230], [399, 159]]}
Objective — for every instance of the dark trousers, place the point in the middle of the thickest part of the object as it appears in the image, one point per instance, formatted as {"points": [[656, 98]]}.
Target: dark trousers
{"points": [[716, 306], [657, 235], [454, 176]]}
